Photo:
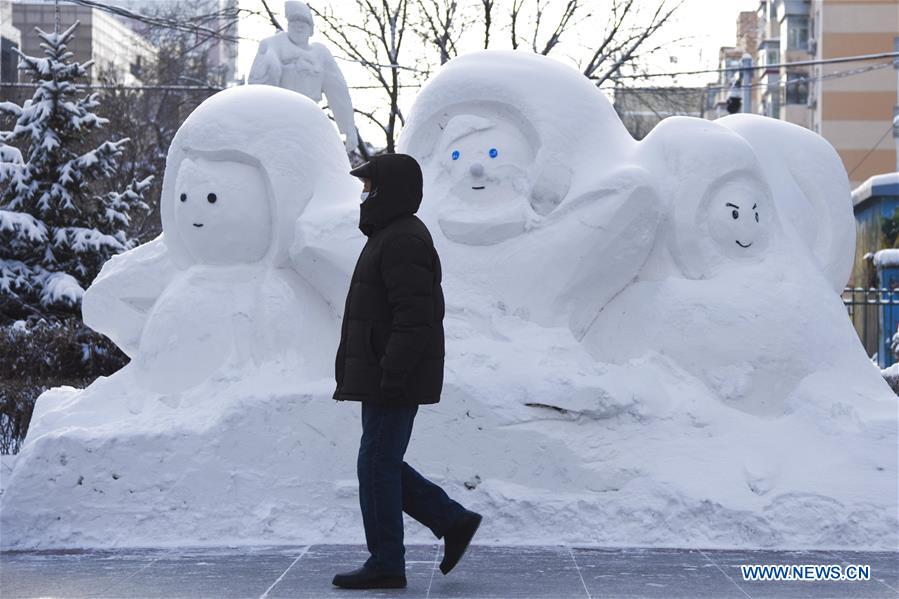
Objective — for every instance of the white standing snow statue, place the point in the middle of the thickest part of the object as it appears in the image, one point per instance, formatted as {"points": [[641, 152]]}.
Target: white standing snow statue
{"points": [[288, 60], [216, 290]]}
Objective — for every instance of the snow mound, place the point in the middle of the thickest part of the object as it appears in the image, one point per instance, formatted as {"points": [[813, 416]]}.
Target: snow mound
{"points": [[619, 369]]}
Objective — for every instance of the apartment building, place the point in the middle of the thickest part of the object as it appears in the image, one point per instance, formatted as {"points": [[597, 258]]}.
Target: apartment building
{"points": [[852, 105], [114, 47], [854, 110], [734, 80], [10, 39], [782, 91], [220, 54]]}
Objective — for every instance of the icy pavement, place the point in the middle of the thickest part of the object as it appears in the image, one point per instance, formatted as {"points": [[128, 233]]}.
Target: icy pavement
{"points": [[486, 571]]}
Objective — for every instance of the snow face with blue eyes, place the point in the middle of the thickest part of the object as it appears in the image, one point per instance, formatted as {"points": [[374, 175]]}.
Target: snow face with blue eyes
{"points": [[222, 211], [486, 166], [495, 160]]}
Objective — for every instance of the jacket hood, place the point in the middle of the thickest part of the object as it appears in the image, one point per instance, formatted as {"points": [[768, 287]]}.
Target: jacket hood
{"points": [[396, 190]]}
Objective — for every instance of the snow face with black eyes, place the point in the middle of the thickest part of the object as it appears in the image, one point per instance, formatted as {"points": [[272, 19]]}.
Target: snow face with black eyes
{"points": [[222, 211], [737, 217], [485, 167]]}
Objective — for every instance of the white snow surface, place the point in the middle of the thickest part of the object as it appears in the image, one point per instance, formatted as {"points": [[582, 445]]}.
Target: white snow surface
{"points": [[887, 257], [619, 371], [863, 191]]}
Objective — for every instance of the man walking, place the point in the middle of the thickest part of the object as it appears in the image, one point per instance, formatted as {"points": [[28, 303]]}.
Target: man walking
{"points": [[390, 358]]}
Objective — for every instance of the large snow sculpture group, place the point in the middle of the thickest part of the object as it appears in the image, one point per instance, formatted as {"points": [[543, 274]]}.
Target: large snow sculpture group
{"points": [[663, 298]]}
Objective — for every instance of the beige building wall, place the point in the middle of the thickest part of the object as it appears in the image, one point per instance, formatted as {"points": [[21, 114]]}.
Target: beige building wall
{"points": [[856, 111]]}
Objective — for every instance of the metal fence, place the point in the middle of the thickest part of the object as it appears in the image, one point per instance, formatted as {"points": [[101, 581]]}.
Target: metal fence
{"points": [[874, 312]]}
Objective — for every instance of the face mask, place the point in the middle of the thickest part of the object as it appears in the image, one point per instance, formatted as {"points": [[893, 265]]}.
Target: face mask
{"points": [[365, 195]]}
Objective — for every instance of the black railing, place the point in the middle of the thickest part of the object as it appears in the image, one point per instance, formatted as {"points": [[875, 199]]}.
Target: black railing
{"points": [[874, 312]]}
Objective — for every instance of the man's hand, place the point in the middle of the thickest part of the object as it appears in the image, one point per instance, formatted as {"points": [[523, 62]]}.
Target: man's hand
{"points": [[392, 385]]}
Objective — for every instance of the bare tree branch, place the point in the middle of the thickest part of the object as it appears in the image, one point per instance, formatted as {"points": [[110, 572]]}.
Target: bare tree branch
{"points": [[570, 9], [439, 26], [271, 16], [372, 33], [373, 37], [657, 21], [619, 14], [515, 15], [487, 5]]}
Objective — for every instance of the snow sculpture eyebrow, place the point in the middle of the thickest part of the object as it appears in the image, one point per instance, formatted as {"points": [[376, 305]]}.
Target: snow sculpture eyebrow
{"points": [[753, 206], [732, 205]]}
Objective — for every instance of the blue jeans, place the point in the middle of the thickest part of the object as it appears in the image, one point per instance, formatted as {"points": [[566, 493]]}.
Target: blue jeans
{"points": [[388, 486]]}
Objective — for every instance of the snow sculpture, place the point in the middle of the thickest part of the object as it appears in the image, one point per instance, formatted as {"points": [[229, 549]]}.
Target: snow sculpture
{"points": [[811, 189], [528, 178], [288, 60], [217, 288], [498, 135], [727, 293], [731, 403]]}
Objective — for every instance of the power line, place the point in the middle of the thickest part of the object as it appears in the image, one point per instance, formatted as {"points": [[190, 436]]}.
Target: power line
{"points": [[798, 63], [629, 90], [213, 88], [871, 151], [806, 79], [782, 82], [164, 22], [127, 87], [667, 90]]}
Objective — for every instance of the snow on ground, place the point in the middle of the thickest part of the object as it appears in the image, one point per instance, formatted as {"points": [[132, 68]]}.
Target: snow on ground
{"points": [[619, 371]]}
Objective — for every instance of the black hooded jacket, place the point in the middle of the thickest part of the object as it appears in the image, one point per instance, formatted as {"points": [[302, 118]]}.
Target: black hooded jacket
{"points": [[391, 340]]}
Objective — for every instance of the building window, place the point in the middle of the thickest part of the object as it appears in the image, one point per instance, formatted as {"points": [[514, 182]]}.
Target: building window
{"points": [[797, 33], [795, 89]]}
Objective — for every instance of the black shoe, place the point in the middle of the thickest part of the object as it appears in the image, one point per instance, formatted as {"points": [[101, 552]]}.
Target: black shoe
{"points": [[457, 538], [365, 578]]}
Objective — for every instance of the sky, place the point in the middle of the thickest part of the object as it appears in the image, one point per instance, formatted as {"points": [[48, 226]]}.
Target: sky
{"points": [[708, 25], [711, 23]]}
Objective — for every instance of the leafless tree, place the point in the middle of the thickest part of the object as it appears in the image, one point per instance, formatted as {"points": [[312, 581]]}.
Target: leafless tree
{"points": [[439, 24], [371, 33], [626, 38], [373, 37]]}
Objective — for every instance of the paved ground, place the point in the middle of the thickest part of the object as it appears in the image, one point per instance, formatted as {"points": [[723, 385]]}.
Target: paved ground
{"points": [[553, 572]]}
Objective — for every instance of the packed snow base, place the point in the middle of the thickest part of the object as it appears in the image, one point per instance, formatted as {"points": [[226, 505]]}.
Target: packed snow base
{"points": [[618, 371]]}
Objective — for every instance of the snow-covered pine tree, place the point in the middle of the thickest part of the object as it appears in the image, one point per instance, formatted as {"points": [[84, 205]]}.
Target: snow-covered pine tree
{"points": [[58, 221]]}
